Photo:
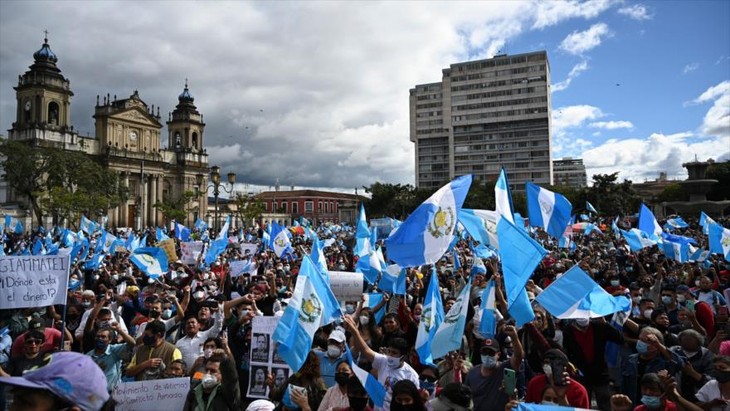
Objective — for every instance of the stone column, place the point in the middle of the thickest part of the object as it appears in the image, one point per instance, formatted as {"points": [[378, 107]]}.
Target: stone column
{"points": [[153, 200], [145, 202], [124, 214], [160, 187]]}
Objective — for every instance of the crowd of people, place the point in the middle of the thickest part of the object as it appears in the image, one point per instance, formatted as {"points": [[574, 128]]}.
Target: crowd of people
{"points": [[195, 321]]}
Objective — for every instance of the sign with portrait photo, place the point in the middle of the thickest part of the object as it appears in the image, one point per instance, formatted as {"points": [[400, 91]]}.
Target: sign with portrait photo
{"points": [[264, 358]]}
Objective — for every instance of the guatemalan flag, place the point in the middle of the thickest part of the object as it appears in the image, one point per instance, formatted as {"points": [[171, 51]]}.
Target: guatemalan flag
{"points": [[311, 306], [524, 406], [200, 225], [280, 242], [375, 389], [224, 230], [160, 235], [637, 239], [674, 223], [488, 322], [481, 225], [393, 280], [362, 234], [87, 225], [150, 260], [503, 197], [576, 295], [431, 318], [449, 335], [590, 208], [520, 255], [182, 233], [648, 223], [215, 248], [719, 237], [705, 222], [14, 225], [427, 232], [548, 210], [370, 266]]}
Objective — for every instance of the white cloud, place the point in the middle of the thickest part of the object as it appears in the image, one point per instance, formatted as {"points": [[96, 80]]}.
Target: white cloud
{"points": [[574, 72], [639, 159], [636, 12], [612, 125], [550, 13], [579, 42], [690, 68], [564, 120], [717, 119]]}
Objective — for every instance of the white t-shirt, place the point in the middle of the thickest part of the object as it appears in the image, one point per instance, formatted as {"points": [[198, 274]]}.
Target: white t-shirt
{"points": [[389, 376], [709, 392]]}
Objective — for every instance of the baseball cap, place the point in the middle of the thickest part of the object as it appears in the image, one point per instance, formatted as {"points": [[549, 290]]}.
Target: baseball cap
{"points": [[338, 336], [683, 288], [88, 293], [36, 324], [491, 344], [72, 376]]}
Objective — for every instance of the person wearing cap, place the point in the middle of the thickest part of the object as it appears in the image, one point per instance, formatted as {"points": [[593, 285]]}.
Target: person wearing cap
{"points": [[52, 338], [485, 381], [261, 405], [64, 380], [453, 397], [391, 367], [330, 359]]}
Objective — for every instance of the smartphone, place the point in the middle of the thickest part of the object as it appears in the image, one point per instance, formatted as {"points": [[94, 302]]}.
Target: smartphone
{"points": [[509, 381], [298, 389]]}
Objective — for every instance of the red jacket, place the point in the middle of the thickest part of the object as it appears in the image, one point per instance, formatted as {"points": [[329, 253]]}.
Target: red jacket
{"points": [[577, 395]]}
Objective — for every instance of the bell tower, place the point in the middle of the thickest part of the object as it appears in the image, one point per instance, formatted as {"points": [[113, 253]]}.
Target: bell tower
{"points": [[185, 124], [43, 96]]}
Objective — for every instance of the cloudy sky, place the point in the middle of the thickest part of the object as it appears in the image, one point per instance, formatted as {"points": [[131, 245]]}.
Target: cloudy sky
{"points": [[316, 93]]}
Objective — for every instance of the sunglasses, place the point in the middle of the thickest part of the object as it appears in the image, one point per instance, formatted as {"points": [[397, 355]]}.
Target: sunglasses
{"points": [[33, 342]]}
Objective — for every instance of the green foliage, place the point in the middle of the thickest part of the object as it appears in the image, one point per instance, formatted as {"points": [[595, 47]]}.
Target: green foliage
{"points": [[176, 208], [610, 196], [721, 173], [249, 207], [59, 183], [673, 192], [392, 200]]}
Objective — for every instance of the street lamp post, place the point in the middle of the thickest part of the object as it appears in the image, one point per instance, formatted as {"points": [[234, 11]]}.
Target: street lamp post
{"points": [[215, 177]]}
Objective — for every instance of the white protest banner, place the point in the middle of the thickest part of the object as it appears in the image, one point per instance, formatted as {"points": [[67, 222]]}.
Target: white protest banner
{"points": [[240, 267], [248, 248], [33, 281], [152, 395], [345, 285], [265, 358], [191, 251]]}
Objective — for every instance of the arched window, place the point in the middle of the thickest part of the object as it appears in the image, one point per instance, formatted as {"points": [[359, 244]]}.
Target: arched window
{"points": [[177, 139], [53, 112], [195, 140]]}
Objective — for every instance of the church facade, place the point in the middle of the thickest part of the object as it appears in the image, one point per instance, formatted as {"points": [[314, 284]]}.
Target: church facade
{"points": [[128, 136]]}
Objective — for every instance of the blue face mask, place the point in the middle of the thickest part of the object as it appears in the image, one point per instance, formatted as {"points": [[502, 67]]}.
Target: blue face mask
{"points": [[488, 361], [642, 347], [651, 401], [428, 386]]}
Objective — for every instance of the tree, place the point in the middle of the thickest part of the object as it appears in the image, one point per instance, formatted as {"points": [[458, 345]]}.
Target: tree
{"points": [[612, 197], [481, 195], [721, 173], [59, 183], [249, 207], [391, 200], [176, 208], [672, 192]]}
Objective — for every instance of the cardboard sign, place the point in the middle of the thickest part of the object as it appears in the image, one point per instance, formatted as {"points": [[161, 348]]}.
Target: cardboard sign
{"points": [[346, 286], [169, 247], [33, 281]]}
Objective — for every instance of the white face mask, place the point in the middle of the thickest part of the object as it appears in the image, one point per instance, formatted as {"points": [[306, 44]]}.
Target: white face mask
{"points": [[582, 322], [647, 313], [364, 320], [615, 283], [209, 381], [243, 313], [548, 370], [208, 352], [681, 298], [166, 314], [198, 295], [333, 351]]}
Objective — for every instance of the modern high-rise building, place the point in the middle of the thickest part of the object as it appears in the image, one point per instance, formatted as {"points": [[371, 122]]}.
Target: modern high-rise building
{"points": [[482, 116], [570, 172]]}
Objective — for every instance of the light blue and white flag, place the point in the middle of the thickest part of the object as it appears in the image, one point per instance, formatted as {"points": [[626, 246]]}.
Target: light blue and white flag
{"points": [[520, 255], [280, 242], [370, 267], [719, 238], [182, 233], [698, 255], [503, 197], [705, 222], [675, 223], [317, 256], [150, 260], [637, 239], [678, 252], [548, 210], [393, 280], [431, 318], [427, 232], [457, 260], [566, 241], [372, 386], [38, 248], [94, 262], [240, 267], [160, 235], [448, 336], [478, 267], [488, 322], [14, 225], [362, 234], [200, 225], [615, 229], [87, 225], [590, 208], [576, 295], [481, 224], [312, 305], [224, 230], [647, 222], [215, 248], [524, 406]]}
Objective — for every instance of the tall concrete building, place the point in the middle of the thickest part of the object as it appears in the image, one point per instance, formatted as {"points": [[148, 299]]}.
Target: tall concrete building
{"points": [[482, 116], [570, 172]]}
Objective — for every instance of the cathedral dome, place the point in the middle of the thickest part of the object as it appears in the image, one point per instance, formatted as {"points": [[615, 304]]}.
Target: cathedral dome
{"points": [[185, 96], [45, 53]]}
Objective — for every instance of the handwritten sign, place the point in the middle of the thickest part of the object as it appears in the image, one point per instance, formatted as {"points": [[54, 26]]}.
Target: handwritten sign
{"points": [[150, 395], [33, 281], [345, 285], [248, 248], [169, 247], [191, 251], [240, 267]]}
